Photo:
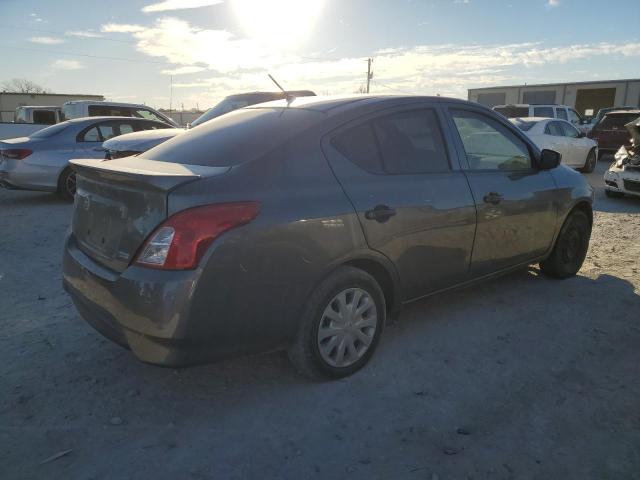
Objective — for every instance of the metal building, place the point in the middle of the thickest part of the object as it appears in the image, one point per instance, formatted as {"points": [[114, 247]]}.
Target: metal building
{"points": [[585, 97], [9, 101]]}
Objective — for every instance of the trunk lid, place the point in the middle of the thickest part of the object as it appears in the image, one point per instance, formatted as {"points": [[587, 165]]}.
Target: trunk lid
{"points": [[120, 202]]}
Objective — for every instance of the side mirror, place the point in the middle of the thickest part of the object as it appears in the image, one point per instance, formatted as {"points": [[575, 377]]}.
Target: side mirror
{"points": [[549, 159]]}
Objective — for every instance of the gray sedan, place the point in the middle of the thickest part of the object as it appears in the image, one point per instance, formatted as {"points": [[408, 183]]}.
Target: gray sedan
{"points": [[305, 226], [41, 161]]}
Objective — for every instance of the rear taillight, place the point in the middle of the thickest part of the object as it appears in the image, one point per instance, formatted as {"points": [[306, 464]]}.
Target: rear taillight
{"points": [[16, 153], [180, 241]]}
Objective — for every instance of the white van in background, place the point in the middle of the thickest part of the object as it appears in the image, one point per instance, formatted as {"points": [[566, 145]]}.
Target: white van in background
{"points": [[563, 112], [89, 108]]}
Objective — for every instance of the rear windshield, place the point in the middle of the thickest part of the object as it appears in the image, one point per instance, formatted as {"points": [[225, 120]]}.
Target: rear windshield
{"points": [[513, 112], [524, 125], [236, 137], [618, 120], [49, 131]]}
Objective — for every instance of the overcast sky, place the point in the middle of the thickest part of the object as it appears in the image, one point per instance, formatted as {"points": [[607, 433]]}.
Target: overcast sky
{"points": [[129, 50]]}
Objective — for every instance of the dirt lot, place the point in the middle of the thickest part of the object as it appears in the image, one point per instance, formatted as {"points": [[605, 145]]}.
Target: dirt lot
{"points": [[523, 377]]}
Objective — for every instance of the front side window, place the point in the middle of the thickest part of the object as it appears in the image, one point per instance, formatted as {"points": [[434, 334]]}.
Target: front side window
{"points": [[561, 113], [490, 145], [544, 112], [569, 130]]}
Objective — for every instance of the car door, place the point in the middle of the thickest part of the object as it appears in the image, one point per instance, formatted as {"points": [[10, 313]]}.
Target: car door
{"points": [[577, 146], [412, 199], [556, 140], [514, 200]]}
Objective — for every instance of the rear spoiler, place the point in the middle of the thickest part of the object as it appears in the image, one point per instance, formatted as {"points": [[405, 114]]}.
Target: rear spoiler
{"points": [[152, 173]]}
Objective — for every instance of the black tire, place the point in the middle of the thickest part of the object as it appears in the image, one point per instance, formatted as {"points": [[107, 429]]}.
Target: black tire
{"points": [[612, 194], [305, 353], [67, 184], [590, 163], [571, 247]]}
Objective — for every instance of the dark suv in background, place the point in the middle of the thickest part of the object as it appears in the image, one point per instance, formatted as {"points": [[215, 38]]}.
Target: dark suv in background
{"points": [[610, 132]]}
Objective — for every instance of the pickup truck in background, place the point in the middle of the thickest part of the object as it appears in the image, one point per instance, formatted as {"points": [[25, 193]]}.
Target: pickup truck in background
{"points": [[88, 108], [31, 119]]}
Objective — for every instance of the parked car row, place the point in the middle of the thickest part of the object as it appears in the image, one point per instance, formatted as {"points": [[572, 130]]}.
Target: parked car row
{"points": [[305, 224]]}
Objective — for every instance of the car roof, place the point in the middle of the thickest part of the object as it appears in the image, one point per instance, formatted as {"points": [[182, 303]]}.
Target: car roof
{"points": [[527, 105], [624, 112], [107, 117], [326, 104], [100, 102], [275, 94]]}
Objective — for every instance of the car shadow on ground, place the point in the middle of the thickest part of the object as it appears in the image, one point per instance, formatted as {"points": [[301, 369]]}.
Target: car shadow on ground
{"points": [[487, 306]]}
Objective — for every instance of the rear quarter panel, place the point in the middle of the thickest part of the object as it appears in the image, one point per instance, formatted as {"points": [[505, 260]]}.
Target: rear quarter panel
{"points": [[256, 278]]}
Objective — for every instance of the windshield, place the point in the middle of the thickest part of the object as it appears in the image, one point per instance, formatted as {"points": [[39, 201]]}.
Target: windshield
{"points": [[512, 112], [524, 125], [49, 131], [617, 120], [225, 106]]}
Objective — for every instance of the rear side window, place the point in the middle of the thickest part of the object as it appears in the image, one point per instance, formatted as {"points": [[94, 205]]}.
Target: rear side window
{"points": [[544, 112], [400, 143], [358, 144], [148, 114], [411, 142]]}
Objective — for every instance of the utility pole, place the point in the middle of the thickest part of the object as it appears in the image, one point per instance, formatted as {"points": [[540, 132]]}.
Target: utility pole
{"points": [[170, 93], [369, 72]]}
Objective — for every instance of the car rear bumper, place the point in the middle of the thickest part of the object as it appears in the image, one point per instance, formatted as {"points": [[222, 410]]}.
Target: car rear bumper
{"points": [[21, 175], [145, 310]]}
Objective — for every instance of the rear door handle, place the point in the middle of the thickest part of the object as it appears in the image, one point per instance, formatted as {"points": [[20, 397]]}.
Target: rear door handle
{"points": [[492, 198], [380, 213]]}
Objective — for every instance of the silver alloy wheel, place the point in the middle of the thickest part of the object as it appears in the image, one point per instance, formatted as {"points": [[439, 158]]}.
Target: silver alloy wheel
{"points": [[347, 327]]}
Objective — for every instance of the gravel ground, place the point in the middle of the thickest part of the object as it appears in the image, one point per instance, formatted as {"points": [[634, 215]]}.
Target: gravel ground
{"points": [[520, 378]]}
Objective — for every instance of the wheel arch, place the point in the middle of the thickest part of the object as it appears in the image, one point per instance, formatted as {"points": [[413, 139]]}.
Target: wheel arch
{"points": [[387, 281]]}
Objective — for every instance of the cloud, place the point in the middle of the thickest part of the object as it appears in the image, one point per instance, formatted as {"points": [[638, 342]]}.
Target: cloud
{"points": [[462, 1], [178, 5], [236, 64], [67, 65], [183, 70], [121, 28], [46, 40], [553, 3], [35, 17], [83, 33]]}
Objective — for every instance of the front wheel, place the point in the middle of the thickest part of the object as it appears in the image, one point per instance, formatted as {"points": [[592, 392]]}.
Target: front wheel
{"points": [[340, 326], [571, 247], [590, 162], [67, 184]]}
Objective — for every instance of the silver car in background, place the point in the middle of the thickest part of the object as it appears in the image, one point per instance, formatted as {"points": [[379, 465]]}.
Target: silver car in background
{"points": [[41, 160]]}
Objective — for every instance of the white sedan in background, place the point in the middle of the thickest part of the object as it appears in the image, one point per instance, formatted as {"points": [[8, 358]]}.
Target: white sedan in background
{"points": [[577, 150]]}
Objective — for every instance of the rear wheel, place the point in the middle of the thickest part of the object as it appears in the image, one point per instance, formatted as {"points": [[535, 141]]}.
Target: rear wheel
{"points": [[67, 184], [590, 162], [341, 325], [571, 247]]}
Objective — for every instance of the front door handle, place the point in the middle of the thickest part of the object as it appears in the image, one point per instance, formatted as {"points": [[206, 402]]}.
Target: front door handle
{"points": [[492, 198], [380, 213]]}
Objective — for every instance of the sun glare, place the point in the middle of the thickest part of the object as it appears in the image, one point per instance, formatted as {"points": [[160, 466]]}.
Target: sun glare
{"points": [[284, 24]]}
